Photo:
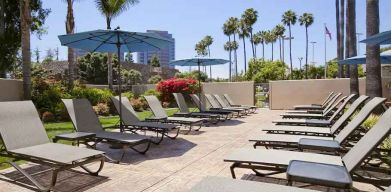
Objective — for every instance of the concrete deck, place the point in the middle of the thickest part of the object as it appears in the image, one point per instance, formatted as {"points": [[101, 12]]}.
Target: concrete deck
{"points": [[174, 165]]}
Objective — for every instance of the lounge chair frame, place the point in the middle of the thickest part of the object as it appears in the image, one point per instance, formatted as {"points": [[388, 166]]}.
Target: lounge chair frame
{"points": [[226, 115]]}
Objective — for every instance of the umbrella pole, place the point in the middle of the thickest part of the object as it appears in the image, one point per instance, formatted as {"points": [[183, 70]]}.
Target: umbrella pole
{"points": [[119, 82]]}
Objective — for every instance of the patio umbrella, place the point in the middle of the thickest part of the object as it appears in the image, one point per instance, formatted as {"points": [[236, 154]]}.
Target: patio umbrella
{"points": [[382, 38], [385, 58], [114, 41], [198, 62]]}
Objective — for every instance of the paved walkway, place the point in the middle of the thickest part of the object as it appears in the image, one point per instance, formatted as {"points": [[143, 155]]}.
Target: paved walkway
{"points": [[174, 165]]}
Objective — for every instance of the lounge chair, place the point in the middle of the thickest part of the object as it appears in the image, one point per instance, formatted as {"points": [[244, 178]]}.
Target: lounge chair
{"points": [[232, 103], [184, 110], [24, 138], [202, 107], [324, 114], [216, 106], [317, 111], [315, 106], [277, 161], [220, 184], [84, 119], [132, 123], [224, 104], [326, 123], [160, 115], [319, 138]]}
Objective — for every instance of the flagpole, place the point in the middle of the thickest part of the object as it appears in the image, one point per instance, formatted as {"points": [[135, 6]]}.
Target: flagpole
{"points": [[325, 52]]}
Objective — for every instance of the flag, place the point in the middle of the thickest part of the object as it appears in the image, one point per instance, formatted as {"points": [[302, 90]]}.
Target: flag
{"points": [[327, 32]]}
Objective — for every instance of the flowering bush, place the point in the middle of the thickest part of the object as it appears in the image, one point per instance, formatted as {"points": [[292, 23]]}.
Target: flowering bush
{"points": [[176, 85]]}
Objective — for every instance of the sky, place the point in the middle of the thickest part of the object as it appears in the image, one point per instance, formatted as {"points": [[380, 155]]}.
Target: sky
{"points": [[190, 20]]}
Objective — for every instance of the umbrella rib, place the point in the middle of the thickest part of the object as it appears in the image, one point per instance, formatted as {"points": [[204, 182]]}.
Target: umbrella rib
{"points": [[103, 42], [147, 43]]}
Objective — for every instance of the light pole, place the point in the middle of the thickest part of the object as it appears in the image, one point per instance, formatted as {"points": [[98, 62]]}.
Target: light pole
{"points": [[313, 51], [358, 42], [300, 59]]}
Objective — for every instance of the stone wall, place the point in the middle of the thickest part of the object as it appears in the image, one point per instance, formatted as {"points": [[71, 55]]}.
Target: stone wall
{"points": [[11, 90], [286, 94], [242, 93]]}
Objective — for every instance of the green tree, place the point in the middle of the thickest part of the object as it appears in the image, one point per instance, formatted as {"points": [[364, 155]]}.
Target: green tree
{"points": [[208, 41], [262, 71], [25, 25], [289, 18], [131, 77], [243, 33], [111, 9], [256, 40], [200, 48], [93, 68], [36, 54], [279, 31], [155, 61], [192, 75], [233, 24], [227, 46], [129, 57], [272, 38], [250, 17], [306, 19], [373, 81], [155, 79], [235, 47]]}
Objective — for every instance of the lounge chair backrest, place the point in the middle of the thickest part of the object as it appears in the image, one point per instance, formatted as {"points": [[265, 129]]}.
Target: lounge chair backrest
{"points": [[327, 99], [229, 100], [346, 115], [83, 116], [335, 105], [155, 106], [376, 135], [212, 101], [180, 100], [359, 118], [129, 115], [20, 125], [221, 101], [197, 102], [342, 106], [332, 101]]}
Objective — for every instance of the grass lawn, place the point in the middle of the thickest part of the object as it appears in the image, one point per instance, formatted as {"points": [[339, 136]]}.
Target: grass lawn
{"points": [[53, 129]]}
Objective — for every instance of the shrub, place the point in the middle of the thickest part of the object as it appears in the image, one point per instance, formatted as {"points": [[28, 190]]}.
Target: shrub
{"points": [[102, 109], [155, 79], [129, 95], [165, 104], [192, 75], [370, 121], [94, 95], [138, 104], [174, 85], [48, 117], [262, 71]]}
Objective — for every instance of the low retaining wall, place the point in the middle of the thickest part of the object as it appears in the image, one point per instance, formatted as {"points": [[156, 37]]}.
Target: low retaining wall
{"points": [[286, 94], [242, 93], [140, 89], [11, 90]]}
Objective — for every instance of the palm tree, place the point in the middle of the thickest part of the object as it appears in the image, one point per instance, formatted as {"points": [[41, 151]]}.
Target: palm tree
{"points": [[306, 19], [25, 24], [263, 37], [208, 40], [256, 40], [227, 47], [289, 18], [279, 31], [351, 43], [250, 17], [339, 35], [69, 27], [233, 24], [111, 9], [243, 33], [373, 81]]}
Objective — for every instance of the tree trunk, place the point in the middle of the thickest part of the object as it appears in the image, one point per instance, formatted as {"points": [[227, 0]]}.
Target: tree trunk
{"points": [[339, 57], [25, 22], [279, 41], [352, 49], [236, 57], [342, 38], [69, 26], [272, 51], [290, 51], [210, 66], [230, 60], [263, 50], [306, 53], [373, 81], [2, 31], [252, 43], [244, 54]]}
